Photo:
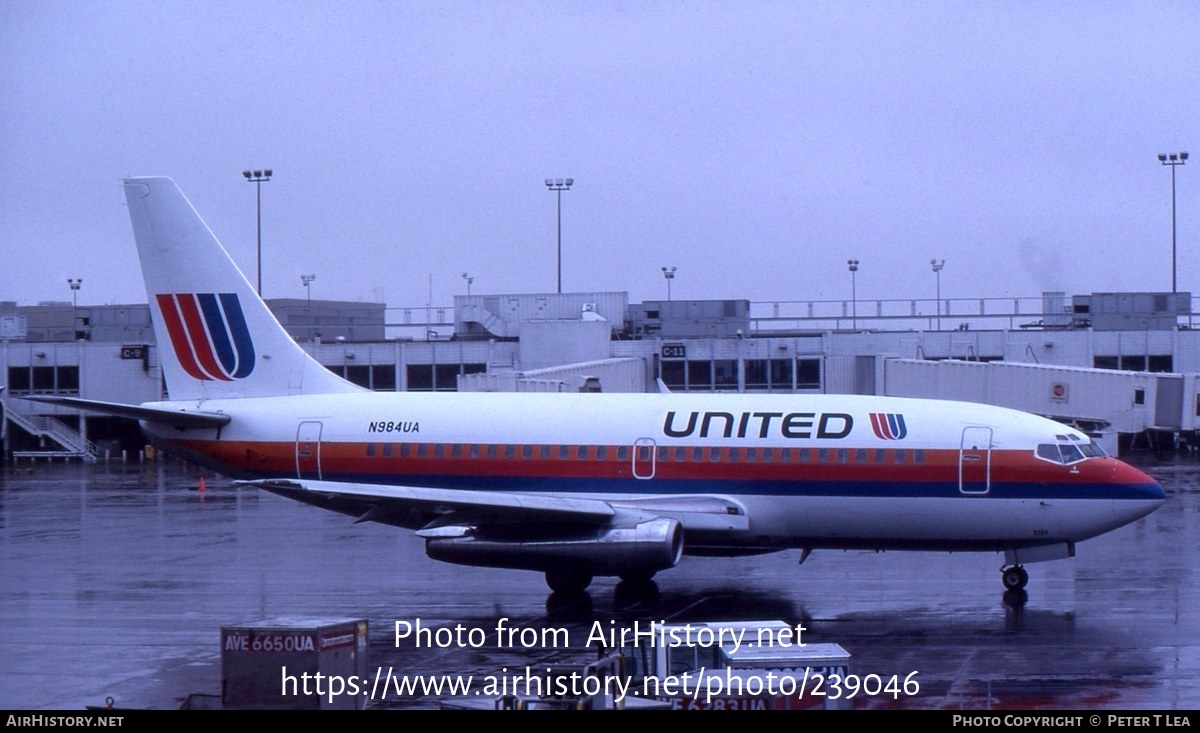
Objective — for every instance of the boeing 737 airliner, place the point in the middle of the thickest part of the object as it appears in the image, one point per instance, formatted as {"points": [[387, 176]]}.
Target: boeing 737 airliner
{"points": [[583, 485]]}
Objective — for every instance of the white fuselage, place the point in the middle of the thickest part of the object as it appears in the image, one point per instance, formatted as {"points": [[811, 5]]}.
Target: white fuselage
{"points": [[809, 470]]}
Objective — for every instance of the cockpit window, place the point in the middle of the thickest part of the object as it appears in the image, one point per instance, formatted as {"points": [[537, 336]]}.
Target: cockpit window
{"points": [[1049, 452], [1070, 453], [1069, 450]]}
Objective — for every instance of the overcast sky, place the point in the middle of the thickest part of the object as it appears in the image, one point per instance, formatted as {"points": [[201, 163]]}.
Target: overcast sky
{"points": [[755, 145]]}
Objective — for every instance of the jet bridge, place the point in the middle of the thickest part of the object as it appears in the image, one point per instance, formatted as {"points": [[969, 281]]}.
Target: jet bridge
{"points": [[1106, 401]]}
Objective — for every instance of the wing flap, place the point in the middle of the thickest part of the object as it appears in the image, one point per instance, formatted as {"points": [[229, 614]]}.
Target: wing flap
{"points": [[457, 507], [496, 504], [708, 513]]}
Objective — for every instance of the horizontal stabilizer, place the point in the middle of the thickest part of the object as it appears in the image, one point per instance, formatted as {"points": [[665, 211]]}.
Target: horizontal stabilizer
{"points": [[137, 412]]}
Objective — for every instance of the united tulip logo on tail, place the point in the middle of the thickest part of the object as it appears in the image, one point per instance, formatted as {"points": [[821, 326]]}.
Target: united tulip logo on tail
{"points": [[208, 332], [888, 425]]}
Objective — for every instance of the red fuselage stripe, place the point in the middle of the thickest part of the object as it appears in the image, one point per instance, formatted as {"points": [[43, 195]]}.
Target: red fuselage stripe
{"points": [[477, 460]]}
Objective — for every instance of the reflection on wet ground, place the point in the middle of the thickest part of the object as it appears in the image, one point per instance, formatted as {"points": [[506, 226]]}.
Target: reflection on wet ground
{"points": [[117, 579]]}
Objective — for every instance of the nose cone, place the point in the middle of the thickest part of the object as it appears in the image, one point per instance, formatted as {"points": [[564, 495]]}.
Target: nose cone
{"points": [[1136, 494], [1138, 484]]}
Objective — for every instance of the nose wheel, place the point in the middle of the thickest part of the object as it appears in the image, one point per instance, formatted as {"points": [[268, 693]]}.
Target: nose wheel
{"points": [[1014, 577], [568, 581]]}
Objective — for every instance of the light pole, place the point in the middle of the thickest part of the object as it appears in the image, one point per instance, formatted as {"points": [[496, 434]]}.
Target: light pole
{"points": [[257, 178], [307, 280], [469, 280], [853, 264], [559, 185], [75, 283], [937, 266], [669, 274], [1174, 160]]}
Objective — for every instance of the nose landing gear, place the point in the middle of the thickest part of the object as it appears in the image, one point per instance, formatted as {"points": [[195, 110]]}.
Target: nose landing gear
{"points": [[1014, 577]]}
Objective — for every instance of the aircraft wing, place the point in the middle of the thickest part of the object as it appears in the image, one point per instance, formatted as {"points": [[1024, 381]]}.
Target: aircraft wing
{"points": [[428, 509], [175, 418]]}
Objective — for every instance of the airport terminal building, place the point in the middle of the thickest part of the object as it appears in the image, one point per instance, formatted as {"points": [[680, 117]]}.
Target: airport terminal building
{"points": [[1120, 365]]}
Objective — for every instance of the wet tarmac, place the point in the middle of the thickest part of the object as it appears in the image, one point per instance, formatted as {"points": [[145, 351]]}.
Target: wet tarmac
{"points": [[116, 579]]}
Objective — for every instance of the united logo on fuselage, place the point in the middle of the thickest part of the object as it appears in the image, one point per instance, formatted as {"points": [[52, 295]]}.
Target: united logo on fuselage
{"points": [[209, 334], [888, 425]]}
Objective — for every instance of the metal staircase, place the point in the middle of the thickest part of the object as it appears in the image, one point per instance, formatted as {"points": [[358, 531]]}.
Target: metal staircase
{"points": [[70, 443]]}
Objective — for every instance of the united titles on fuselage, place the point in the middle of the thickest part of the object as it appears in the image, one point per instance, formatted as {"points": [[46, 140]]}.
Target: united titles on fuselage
{"points": [[799, 425]]}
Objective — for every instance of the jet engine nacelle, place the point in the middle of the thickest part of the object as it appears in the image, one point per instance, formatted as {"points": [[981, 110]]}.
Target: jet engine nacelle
{"points": [[640, 549]]}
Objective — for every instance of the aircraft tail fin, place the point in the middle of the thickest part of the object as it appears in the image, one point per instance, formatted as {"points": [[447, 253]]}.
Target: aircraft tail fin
{"points": [[216, 337]]}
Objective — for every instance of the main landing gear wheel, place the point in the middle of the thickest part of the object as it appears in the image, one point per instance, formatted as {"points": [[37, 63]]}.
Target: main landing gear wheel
{"points": [[1014, 578], [568, 581], [637, 578]]}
